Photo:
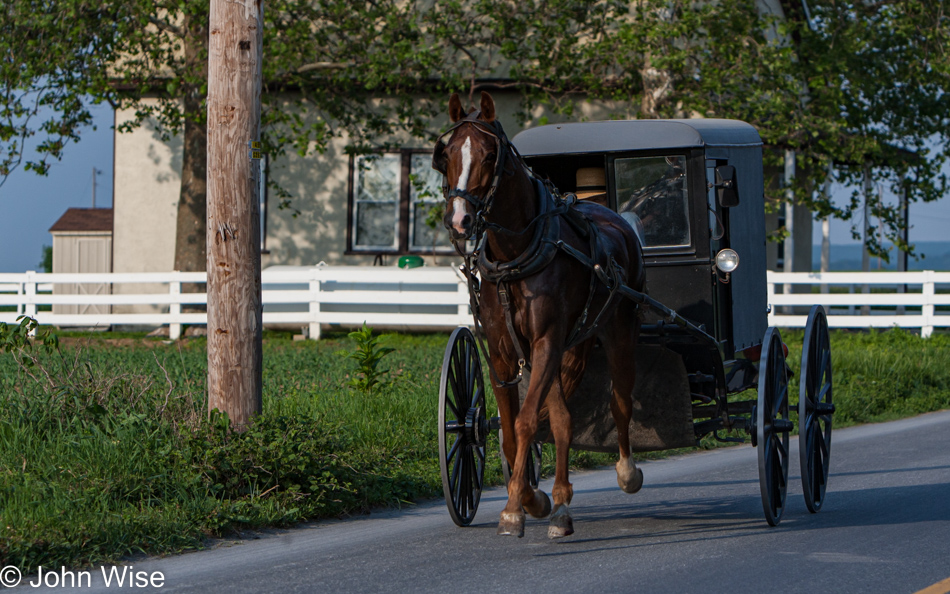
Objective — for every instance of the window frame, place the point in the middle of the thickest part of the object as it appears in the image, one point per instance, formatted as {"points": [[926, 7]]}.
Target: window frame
{"points": [[404, 210]]}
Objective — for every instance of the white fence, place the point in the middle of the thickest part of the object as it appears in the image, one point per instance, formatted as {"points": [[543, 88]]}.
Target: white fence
{"points": [[428, 297], [434, 297], [872, 300]]}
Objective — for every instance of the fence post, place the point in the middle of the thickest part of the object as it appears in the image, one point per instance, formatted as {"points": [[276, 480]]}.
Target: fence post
{"points": [[174, 309], [927, 310], [29, 308], [770, 300], [20, 290], [463, 296], [314, 330]]}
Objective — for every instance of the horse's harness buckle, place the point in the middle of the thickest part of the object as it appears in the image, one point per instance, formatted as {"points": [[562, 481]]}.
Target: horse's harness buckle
{"points": [[521, 364]]}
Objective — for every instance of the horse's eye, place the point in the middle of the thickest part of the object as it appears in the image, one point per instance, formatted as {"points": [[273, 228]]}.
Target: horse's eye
{"points": [[490, 158]]}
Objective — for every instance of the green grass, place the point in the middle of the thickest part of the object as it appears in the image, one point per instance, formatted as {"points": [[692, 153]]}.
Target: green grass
{"points": [[112, 453]]}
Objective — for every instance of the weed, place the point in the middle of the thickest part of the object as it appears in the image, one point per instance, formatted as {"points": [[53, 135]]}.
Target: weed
{"points": [[368, 355]]}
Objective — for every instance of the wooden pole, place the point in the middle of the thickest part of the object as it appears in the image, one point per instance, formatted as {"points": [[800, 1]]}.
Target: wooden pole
{"points": [[234, 258]]}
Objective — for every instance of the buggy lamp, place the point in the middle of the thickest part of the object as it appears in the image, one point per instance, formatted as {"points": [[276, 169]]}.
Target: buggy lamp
{"points": [[727, 260]]}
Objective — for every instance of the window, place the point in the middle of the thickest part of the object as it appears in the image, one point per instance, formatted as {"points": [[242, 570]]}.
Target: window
{"points": [[654, 190], [394, 201]]}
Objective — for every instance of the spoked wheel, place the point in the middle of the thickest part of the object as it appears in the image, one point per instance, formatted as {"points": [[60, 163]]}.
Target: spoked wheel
{"points": [[815, 408], [534, 462], [463, 427], [772, 426]]}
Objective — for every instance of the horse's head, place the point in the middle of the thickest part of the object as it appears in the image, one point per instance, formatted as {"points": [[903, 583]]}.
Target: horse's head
{"points": [[471, 161]]}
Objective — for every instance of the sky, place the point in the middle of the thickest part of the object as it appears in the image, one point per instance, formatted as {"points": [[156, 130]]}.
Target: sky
{"points": [[31, 204]]}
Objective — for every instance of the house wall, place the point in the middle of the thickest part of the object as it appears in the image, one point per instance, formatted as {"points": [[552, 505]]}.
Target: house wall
{"points": [[145, 202]]}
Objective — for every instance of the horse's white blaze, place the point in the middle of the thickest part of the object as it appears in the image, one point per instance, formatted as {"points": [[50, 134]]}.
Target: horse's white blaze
{"points": [[466, 164], [460, 205]]}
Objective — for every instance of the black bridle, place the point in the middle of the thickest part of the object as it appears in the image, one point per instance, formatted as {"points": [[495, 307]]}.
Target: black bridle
{"points": [[505, 152]]}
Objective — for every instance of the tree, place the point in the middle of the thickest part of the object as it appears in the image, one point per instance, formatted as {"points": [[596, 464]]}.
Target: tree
{"points": [[151, 55], [853, 82]]}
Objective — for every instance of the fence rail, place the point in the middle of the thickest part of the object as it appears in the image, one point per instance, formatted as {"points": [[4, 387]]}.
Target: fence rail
{"points": [[885, 299], [434, 297]]}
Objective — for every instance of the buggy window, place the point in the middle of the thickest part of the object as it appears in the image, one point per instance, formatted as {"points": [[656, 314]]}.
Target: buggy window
{"points": [[654, 190]]}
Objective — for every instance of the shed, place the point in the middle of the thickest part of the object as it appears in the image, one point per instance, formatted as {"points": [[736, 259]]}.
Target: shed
{"points": [[82, 242]]}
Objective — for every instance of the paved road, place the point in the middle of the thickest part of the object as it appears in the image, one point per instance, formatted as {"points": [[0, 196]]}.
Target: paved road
{"points": [[697, 526]]}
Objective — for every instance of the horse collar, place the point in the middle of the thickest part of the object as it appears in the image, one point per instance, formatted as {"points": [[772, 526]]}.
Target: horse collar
{"points": [[539, 253]]}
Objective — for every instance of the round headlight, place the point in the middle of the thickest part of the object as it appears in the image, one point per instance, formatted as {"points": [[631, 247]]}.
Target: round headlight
{"points": [[727, 260]]}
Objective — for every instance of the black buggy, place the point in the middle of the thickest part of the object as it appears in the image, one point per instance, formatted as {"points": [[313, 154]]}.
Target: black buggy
{"points": [[693, 189]]}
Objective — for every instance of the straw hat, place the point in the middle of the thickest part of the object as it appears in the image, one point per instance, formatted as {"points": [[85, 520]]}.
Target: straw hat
{"points": [[591, 181]]}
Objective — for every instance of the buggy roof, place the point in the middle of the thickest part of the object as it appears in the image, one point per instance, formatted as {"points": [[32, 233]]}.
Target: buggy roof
{"points": [[632, 135]]}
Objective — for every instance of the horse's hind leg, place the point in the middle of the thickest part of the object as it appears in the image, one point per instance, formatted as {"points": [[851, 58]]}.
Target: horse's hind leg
{"points": [[620, 340], [562, 427]]}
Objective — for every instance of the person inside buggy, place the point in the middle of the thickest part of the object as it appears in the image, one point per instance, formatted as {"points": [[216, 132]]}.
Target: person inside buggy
{"points": [[652, 191]]}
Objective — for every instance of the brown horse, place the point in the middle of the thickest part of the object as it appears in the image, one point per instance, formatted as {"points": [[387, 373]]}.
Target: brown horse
{"points": [[539, 277]]}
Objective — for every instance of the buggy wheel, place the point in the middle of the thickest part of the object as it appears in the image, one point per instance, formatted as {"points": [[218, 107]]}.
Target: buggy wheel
{"points": [[815, 408], [772, 426], [534, 462], [463, 427]]}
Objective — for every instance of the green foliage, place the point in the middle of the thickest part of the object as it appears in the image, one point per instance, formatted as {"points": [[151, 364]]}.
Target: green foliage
{"points": [[368, 355], [21, 340], [46, 263], [853, 84]]}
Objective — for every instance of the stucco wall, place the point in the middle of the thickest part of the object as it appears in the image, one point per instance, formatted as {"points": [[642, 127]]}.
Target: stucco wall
{"points": [[145, 202]]}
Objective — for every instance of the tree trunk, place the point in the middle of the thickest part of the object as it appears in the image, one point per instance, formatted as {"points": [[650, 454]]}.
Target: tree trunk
{"points": [[657, 86], [234, 257], [190, 231]]}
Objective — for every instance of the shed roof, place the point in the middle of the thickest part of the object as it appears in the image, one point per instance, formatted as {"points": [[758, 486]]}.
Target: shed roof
{"points": [[84, 219], [632, 135]]}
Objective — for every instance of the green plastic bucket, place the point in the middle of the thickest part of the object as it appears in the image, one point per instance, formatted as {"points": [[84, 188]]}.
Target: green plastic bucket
{"points": [[411, 262]]}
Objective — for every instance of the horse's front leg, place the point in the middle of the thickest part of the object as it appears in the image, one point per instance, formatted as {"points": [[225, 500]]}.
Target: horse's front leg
{"points": [[521, 497], [508, 406]]}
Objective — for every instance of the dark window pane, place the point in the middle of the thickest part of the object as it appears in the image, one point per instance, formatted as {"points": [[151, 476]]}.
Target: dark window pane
{"points": [[654, 190], [376, 224]]}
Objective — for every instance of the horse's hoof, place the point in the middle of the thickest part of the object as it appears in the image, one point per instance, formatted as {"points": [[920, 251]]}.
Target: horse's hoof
{"points": [[629, 477], [540, 505], [561, 523], [511, 525]]}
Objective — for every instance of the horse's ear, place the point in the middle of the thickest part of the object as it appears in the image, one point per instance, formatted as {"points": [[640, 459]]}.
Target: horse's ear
{"points": [[439, 161], [456, 112], [488, 107]]}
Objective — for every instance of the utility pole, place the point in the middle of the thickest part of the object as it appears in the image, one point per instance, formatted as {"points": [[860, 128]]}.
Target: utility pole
{"points": [[95, 172], [789, 244], [865, 255], [826, 233], [234, 259]]}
